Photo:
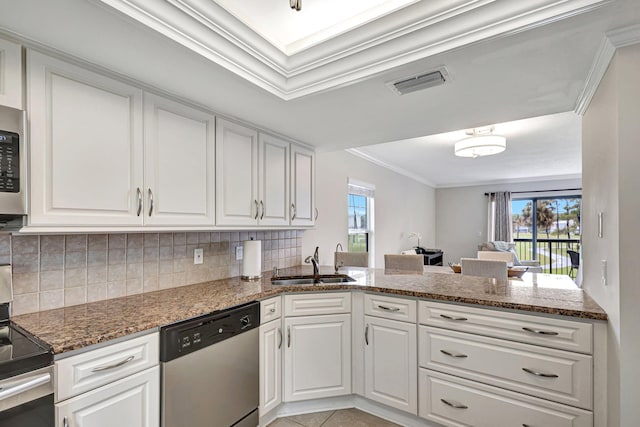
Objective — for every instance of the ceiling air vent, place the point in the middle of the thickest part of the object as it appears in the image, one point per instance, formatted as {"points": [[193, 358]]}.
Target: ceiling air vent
{"points": [[419, 82]]}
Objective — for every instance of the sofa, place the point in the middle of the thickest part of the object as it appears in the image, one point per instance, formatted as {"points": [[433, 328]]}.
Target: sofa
{"points": [[534, 266]]}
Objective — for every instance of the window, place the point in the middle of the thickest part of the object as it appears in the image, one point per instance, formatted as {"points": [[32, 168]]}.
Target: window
{"points": [[546, 233], [360, 217]]}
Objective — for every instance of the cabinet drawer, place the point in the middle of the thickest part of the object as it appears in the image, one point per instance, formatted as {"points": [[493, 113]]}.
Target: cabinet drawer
{"points": [[312, 304], [390, 307], [555, 333], [270, 309], [486, 406], [86, 371], [557, 375]]}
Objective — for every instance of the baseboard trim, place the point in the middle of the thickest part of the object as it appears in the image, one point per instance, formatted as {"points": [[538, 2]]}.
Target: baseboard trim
{"points": [[345, 402]]}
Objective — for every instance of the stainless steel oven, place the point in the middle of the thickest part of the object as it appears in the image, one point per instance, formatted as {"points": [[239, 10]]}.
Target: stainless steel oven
{"points": [[26, 370]]}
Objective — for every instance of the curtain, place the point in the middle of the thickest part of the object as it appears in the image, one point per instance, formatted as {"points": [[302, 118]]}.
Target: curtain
{"points": [[499, 217]]}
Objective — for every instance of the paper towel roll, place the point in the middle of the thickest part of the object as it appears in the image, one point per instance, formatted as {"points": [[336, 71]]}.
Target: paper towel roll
{"points": [[252, 259]]}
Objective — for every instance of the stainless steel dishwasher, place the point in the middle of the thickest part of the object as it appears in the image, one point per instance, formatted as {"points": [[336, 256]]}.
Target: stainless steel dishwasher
{"points": [[210, 369]]}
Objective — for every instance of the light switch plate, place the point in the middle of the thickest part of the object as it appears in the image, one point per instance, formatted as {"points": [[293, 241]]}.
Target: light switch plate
{"points": [[198, 255], [239, 253]]}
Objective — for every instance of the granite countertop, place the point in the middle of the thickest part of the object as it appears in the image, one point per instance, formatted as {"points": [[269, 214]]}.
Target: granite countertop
{"points": [[75, 327]]}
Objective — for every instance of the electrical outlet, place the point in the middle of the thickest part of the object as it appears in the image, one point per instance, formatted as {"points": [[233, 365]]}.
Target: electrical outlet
{"points": [[198, 255], [239, 253]]}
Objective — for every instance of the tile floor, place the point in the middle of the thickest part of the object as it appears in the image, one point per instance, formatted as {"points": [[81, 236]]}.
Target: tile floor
{"points": [[340, 418]]}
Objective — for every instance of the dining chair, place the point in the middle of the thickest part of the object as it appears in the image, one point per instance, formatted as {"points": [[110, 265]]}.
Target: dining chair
{"points": [[497, 256], [403, 264], [351, 259], [484, 268], [575, 261]]}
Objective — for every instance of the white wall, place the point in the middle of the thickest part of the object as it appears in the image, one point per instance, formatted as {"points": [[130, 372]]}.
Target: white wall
{"points": [[611, 175], [402, 205], [461, 214]]}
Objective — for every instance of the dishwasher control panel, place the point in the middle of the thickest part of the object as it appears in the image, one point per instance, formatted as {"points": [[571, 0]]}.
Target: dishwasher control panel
{"points": [[182, 338]]}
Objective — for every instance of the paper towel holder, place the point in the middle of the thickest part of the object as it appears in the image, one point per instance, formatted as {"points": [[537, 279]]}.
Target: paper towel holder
{"points": [[249, 278]]}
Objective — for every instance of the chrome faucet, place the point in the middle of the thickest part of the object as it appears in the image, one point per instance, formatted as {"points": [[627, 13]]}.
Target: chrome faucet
{"points": [[311, 259], [337, 266]]}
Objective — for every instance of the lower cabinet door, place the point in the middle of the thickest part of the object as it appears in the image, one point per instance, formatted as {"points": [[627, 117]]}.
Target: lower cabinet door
{"points": [[390, 363], [271, 340], [317, 357], [133, 401], [453, 401]]}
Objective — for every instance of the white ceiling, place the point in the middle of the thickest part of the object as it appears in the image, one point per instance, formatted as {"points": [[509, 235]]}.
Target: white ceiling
{"points": [[546, 147], [507, 61], [318, 20]]}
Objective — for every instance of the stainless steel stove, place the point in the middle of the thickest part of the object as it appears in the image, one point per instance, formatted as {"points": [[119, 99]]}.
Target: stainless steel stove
{"points": [[26, 371]]}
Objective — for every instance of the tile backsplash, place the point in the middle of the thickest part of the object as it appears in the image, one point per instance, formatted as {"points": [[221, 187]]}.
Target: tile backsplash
{"points": [[52, 271]]}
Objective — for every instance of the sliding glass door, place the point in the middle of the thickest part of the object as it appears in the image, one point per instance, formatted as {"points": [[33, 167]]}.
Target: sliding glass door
{"points": [[544, 229]]}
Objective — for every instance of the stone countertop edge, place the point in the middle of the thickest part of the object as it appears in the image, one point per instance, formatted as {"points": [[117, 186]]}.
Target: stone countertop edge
{"points": [[75, 327]]}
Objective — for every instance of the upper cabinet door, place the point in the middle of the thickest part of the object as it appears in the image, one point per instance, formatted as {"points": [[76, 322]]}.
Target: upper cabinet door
{"points": [[236, 174], [303, 171], [86, 146], [10, 74], [178, 163], [273, 176]]}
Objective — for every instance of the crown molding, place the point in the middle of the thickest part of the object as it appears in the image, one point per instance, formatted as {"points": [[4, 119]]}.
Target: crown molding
{"points": [[612, 41], [415, 32], [394, 168]]}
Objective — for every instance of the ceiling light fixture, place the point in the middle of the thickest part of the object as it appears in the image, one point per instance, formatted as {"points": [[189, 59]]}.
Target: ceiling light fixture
{"points": [[295, 4], [482, 142]]}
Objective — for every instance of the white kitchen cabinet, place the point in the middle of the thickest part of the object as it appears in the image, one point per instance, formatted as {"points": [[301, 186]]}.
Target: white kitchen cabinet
{"points": [[10, 74], [273, 185], [236, 174], [178, 163], [86, 146], [317, 356], [271, 340], [252, 177], [390, 363], [303, 197], [133, 401]]}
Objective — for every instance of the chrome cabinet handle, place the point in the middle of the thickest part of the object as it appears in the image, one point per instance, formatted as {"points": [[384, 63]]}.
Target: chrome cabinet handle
{"points": [[272, 310], [24, 386], [115, 365], [454, 404], [293, 209], [539, 374], [257, 210], [385, 308], [366, 334], [452, 354], [288, 336], [65, 422], [539, 331], [458, 319], [150, 202], [139, 193], [316, 217], [261, 209], [280, 335]]}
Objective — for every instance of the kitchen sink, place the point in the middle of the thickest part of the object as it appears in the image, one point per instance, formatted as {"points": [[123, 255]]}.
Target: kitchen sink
{"points": [[311, 279]]}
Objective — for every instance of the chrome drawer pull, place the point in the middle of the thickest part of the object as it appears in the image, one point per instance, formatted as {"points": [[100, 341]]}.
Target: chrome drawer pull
{"points": [[257, 210], [540, 331], [450, 354], [139, 193], [150, 202], [539, 374], [366, 334], [288, 336], [115, 365], [454, 404], [272, 310], [458, 319], [293, 209], [280, 334], [382, 307], [261, 209]]}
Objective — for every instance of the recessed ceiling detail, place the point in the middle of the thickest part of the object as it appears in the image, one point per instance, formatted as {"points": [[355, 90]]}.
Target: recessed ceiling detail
{"points": [[352, 47]]}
